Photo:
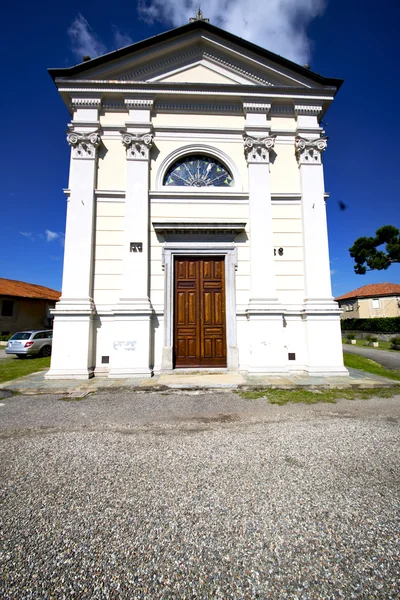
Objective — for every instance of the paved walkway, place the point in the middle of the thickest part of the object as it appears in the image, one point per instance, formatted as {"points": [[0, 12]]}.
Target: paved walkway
{"points": [[390, 360], [37, 384]]}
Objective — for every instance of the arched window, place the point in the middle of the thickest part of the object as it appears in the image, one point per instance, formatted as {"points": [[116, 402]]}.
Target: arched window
{"points": [[198, 170]]}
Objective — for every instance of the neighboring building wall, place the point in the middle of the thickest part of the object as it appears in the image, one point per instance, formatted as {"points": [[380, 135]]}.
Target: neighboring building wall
{"points": [[27, 313], [367, 308]]}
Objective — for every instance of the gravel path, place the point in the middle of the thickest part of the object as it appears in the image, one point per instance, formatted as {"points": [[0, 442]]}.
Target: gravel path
{"points": [[390, 360], [178, 496]]}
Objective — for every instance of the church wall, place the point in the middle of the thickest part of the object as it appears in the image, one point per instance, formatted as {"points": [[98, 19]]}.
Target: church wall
{"points": [[198, 73], [289, 268], [200, 212], [285, 177], [232, 149], [108, 252], [190, 120], [111, 174], [108, 117], [287, 123]]}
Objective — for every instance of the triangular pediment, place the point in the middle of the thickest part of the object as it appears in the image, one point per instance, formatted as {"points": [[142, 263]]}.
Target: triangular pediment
{"points": [[198, 53], [202, 72]]}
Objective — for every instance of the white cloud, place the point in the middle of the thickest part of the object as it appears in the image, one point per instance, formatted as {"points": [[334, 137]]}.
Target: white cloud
{"points": [[28, 234], [83, 39], [121, 39], [278, 25], [51, 235]]}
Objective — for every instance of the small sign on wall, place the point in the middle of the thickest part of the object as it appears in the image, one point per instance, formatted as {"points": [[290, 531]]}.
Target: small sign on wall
{"points": [[136, 247]]}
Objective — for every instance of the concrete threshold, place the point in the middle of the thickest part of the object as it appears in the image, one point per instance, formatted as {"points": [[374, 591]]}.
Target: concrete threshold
{"points": [[37, 384]]}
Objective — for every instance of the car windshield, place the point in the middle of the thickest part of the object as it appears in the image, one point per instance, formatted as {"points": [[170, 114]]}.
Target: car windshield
{"points": [[22, 335]]}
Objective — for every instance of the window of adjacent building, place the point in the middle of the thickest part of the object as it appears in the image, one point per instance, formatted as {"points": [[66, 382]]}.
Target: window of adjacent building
{"points": [[350, 306], [375, 303], [7, 308], [198, 171]]}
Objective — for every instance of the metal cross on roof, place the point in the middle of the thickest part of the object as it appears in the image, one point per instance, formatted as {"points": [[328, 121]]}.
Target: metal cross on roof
{"points": [[198, 17]]}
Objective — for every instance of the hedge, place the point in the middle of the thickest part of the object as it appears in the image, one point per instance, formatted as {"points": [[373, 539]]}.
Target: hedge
{"points": [[377, 325]]}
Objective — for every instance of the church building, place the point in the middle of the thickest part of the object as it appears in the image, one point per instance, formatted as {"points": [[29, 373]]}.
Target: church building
{"points": [[196, 233]]}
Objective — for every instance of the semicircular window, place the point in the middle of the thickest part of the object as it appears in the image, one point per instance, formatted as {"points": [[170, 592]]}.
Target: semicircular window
{"points": [[198, 171]]}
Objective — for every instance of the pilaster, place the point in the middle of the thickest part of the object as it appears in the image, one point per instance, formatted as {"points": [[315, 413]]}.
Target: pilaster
{"points": [[131, 353], [264, 312], [74, 312], [315, 232], [321, 313]]}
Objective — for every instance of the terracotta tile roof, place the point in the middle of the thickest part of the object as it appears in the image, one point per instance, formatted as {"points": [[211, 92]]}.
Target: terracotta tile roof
{"points": [[373, 289], [10, 287]]}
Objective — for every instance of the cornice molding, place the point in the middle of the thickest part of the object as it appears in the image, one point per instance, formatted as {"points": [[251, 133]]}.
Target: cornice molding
{"points": [[110, 193], [198, 107], [279, 110], [193, 227], [250, 92], [198, 53], [257, 149], [213, 195], [118, 106], [84, 145], [307, 109], [85, 102], [309, 151], [139, 103], [256, 107]]}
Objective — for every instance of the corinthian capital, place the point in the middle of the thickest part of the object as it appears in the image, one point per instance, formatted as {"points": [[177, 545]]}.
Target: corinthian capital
{"points": [[84, 145], [308, 152], [257, 149], [137, 146]]}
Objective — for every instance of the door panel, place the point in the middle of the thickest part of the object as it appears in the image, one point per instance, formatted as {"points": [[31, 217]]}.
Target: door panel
{"points": [[200, 329]]}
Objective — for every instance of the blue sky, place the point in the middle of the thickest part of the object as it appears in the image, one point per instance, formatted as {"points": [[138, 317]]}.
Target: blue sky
{"points": [[356, 40]]}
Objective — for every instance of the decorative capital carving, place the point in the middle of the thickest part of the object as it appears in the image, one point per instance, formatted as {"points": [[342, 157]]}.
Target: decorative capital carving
{"points": [[84, 145], [308, 152], [137, 146], [257, 149]]}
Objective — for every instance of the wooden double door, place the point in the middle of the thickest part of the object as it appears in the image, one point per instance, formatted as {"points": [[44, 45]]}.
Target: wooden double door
{"points": [[199, 312]]}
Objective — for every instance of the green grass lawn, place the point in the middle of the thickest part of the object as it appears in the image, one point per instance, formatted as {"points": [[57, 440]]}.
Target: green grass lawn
{"points": [[282, 397], [355, 361], [12, 368]]}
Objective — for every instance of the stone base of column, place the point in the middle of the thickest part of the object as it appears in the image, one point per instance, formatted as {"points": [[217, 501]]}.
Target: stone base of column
{"points": [[266, 338], [72, 348], [324, 341], [131, 353]]}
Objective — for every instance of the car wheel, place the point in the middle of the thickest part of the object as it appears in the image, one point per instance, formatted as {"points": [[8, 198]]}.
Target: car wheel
{"points": [[45, 351]]}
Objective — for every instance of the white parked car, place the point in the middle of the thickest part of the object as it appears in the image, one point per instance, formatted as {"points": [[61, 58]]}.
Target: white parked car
{"points": [[30, 343]]}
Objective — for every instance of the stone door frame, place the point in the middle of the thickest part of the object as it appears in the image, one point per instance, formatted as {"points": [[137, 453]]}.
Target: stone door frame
{"points": [[170, 251]]}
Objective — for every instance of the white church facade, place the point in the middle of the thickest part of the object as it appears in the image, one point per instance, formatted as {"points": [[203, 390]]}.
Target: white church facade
{"points": [[196, 233]]}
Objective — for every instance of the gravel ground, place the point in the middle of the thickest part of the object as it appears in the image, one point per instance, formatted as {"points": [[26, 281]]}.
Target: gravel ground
{"points": [[177, 496]]}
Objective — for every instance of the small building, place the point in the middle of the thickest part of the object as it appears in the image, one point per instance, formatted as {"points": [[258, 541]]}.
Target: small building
{"points": [[372, 300], [196, 229], [25, 306]]}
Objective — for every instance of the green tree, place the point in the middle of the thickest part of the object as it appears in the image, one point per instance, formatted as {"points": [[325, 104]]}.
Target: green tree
{"points": [[366, 254]]}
